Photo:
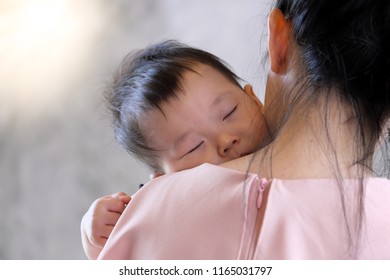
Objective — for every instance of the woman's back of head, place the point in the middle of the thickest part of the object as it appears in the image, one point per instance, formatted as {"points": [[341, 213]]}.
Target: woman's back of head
{"points": [[344, 46]]}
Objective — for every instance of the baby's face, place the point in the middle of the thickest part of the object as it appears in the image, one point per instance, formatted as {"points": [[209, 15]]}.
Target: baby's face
{"points": [[212, 120]]}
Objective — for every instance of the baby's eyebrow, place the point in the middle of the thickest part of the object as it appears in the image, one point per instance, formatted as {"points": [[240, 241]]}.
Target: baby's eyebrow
{"points": [[179, 140], [220, 97]]}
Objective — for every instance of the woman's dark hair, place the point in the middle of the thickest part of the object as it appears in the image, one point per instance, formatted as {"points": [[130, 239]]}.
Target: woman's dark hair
{"points": [[345, 49], [144, 80], [345, 45]]}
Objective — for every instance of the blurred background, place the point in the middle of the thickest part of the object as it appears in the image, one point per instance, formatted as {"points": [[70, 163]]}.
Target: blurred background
{"points": [[57, 149]]}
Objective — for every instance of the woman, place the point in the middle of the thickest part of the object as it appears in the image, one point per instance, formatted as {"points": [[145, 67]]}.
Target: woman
{"points": [[310, 193]]}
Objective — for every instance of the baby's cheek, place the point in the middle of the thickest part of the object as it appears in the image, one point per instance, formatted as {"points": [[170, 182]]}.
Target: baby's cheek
{"points": [[187, 163], [258, 134]]}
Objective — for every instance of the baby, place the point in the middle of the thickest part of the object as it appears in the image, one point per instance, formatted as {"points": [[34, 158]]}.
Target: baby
{"points": [[174, 107]]}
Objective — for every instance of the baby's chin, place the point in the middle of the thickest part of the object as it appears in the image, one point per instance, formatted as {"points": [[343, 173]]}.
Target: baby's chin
{"points": [[246, 153]]}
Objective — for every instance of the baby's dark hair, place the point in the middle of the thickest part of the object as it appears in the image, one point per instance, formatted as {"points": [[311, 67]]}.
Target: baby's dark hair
{"points": [[145, 79]]}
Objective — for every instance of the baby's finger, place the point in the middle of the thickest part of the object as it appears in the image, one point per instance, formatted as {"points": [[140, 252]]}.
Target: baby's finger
{"points": [[99, 236], [125, 199], [111, 218], [116, 205], [99, 242], [119, 194]]}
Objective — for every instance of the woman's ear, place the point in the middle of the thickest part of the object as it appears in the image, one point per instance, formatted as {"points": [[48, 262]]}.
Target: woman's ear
{"points": [[279, 33], [249, 91]]}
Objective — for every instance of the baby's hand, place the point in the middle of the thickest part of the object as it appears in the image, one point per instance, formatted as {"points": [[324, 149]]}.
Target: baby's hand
{"points": [[102, 216]]}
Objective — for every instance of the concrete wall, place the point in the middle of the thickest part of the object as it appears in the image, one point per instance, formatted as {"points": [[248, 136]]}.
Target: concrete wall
{"points": [[57, 150]]}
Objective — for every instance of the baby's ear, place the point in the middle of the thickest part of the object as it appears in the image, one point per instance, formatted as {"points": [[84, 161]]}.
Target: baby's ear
{"points": [[248, 89]]}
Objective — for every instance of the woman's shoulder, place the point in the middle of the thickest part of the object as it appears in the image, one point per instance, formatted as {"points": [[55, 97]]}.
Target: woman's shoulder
{"points": [[306, 189], [208, 175], [208, 172], [369, 182], [246, 164]]}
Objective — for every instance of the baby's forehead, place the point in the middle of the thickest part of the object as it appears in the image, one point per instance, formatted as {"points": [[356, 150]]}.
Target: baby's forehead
{"points": [[208, 74], [199, 87]]}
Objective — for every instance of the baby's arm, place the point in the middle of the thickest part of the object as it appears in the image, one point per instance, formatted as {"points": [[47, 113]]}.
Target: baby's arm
{"points": [[100, 219]]}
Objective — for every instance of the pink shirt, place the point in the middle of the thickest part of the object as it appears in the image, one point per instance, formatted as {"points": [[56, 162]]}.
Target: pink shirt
{"points": [[211, 212]]}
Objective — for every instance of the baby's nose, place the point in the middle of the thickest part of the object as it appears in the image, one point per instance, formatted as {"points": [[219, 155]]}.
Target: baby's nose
{"points": [[226, 144]]}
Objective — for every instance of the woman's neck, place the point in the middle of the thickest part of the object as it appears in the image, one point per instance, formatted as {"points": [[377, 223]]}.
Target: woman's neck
{"points": [[317, 141]]}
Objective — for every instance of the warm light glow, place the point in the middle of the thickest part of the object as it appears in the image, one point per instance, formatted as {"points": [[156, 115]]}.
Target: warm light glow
{"points": [[36, 23], [43, 44]]}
